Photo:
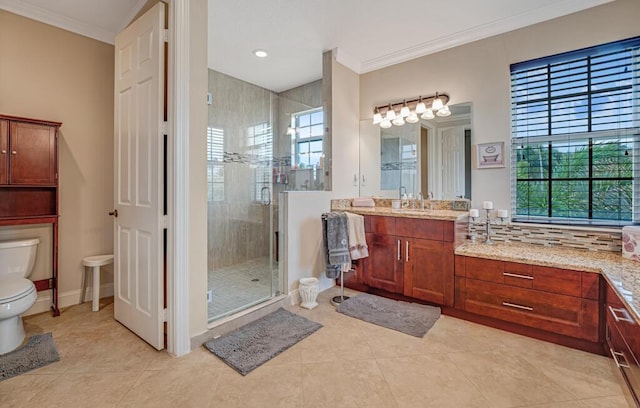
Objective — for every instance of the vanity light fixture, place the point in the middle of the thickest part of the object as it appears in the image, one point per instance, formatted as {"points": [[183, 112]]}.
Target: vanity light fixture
{"points": [[427, 107]]}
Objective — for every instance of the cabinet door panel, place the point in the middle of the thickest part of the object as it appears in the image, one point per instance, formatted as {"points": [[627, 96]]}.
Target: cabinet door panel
{"points": [[4, 152], [380, 225], [429, 272], [383, 267], [33, 154]]}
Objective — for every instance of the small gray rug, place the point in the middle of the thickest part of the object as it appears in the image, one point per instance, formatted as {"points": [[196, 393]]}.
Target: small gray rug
{"points": [[39, 351], [410, 318], [255, 343]]}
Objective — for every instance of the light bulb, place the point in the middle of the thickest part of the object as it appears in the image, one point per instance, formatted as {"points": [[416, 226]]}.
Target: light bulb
{"points": [[421, 107], [437, 103], [391, 114], [428, 114], [377, 117], [404, 112], [412, 118], [444, 111], [385, 124], [398, 121]]}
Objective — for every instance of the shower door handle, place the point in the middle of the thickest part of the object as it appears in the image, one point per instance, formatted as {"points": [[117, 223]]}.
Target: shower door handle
{"points": [[266, 199]]}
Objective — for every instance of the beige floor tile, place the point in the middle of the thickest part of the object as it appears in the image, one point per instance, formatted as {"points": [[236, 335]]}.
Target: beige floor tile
{"points": [[84, 390], [267, 386], [508, 380], [564, 404], [429, 381], [180, 387], [335, 343], [585, 375], [16, 391], [345, 384], [618, 401]]}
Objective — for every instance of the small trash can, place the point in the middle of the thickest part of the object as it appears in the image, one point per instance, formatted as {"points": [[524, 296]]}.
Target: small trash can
{"points": [[308, 289]]}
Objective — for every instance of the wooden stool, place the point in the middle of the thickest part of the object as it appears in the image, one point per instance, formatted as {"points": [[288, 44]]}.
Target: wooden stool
{"points": [[95, 262]]}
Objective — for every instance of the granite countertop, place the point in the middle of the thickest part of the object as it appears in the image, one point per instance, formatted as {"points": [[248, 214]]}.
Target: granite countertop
{"points": [[447, 215], [623, 274]]}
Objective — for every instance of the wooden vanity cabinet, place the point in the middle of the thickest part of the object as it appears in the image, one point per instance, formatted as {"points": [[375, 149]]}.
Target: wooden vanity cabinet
{"points": [[29, 181], [622, 335], [384, 267], [558, 301], [410, 257]]}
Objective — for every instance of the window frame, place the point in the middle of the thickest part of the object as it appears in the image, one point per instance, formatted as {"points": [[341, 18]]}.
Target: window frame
{"points": [[545, 130]]}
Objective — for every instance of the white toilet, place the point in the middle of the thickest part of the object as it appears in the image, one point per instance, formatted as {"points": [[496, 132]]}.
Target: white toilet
{"points": [[17, 293]]}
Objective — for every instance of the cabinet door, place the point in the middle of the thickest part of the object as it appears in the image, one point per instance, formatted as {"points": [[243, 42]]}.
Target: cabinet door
{"points": [[33, 154], [383, 267], [4, 152], [428, 271]]}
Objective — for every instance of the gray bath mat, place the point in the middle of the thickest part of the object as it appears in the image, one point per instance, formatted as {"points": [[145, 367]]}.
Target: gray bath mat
{"points": [[39, 351], [410, 318], [255, 343]]}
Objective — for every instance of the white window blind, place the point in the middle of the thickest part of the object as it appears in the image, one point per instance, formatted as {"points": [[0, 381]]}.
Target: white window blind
{"points": [[575, 121]]}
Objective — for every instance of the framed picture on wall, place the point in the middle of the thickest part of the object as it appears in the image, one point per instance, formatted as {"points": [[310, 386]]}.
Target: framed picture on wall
{"points": [[490, 155]]}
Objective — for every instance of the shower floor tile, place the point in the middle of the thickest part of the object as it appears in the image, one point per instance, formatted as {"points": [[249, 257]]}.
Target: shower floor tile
{"points": [[239, 286]]}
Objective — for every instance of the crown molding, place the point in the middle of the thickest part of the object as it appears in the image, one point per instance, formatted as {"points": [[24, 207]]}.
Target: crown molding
{"points": [[131, 15], [477, 33], [66, 23]]}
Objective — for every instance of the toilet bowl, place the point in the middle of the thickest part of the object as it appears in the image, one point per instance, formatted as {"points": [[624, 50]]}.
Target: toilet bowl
{"points": [[17, 293]]}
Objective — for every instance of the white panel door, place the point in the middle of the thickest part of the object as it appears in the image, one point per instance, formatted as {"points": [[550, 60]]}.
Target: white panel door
{"points": [[452, 163], [138, 246]]}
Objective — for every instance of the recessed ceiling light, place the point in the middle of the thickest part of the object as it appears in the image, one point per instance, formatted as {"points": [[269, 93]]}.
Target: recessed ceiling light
{"points": [[260, 53]]}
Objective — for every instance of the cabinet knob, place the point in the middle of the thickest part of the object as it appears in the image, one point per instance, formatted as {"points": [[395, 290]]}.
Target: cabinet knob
{"points": [[14, 152], [3, 151]]}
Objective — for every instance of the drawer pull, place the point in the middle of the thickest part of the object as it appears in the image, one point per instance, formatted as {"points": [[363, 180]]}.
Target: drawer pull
{"points": [[398, 250], [515, 306], [14, 152], [616, 355], [406, 251], [625, 315], [3, 151], [515, 275]]}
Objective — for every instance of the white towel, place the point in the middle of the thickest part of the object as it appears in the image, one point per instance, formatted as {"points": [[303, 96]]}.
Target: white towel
{"points": [[357, 239], [363, 202]]}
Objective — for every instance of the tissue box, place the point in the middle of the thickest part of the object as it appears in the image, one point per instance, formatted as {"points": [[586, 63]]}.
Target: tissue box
{"points": [[631, 242]]}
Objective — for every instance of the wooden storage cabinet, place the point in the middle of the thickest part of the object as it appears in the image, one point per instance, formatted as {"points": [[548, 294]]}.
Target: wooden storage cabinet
{"points": [[410, 257], [554, 300], [622, 336], [29, 180]]}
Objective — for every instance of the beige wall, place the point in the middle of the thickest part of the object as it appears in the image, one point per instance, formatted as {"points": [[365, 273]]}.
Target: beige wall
{"points": [[52, 74], [479, 73]]}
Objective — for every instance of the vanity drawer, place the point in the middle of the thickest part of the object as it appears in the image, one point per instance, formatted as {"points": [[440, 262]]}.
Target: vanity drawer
{"points": [[562, 314], [380, 224], [542, 278], [623, 341]]}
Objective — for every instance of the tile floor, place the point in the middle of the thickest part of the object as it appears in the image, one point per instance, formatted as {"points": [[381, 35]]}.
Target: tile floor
{"points": [[237, 287], [347, 363]]}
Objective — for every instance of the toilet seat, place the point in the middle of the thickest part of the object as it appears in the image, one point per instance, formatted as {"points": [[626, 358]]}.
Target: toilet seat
{"points": [[15, 287]]}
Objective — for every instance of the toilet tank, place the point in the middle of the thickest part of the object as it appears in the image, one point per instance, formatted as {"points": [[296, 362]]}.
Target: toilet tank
{"points": [[18, 256]]}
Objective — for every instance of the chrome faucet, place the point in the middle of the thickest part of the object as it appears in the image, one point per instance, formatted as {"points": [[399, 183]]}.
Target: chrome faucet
{"points": [[421, 198], [401, 192]]}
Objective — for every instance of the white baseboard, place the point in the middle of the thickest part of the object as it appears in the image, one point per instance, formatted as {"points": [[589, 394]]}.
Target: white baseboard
{"points": [[66, 299]]}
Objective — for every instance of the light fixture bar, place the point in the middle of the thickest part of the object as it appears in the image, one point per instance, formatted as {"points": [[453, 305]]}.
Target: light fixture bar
{"points": [[428, 100], [410, 108]]}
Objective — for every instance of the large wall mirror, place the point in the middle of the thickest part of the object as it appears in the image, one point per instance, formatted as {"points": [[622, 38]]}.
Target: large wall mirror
{"points": [[432, 157]]}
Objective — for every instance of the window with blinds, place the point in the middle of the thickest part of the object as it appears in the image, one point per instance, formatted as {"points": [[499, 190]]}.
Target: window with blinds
{"points": [[575, 121], [215, 164]]}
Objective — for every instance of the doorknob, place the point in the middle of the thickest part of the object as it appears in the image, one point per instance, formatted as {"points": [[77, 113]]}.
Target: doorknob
{"points": [[114, 213]]}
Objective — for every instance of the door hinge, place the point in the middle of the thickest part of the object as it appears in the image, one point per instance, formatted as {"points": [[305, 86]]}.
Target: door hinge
{"points": [[165, 313], [164, 127], [164, 221], [165, 35]]}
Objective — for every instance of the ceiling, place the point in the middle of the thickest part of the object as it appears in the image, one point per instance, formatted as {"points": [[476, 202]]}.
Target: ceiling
{"points": [[367, 34]]}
